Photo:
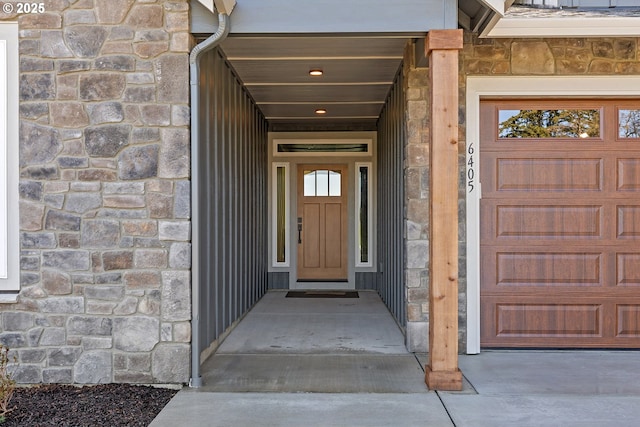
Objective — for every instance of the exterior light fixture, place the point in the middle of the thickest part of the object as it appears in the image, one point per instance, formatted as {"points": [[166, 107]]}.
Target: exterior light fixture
{"points": [[321, 111], [316, 72]]}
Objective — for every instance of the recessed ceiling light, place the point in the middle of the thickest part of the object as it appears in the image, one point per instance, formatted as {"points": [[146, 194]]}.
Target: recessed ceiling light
{"points": [[321, 111], [316, 72]]}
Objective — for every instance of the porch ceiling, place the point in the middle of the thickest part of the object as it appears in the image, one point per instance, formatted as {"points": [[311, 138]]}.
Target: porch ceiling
{"points": [[359, 67], [358, 72]]}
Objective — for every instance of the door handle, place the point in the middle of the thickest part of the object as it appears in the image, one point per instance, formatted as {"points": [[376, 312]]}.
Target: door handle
{"points": [[299, 230]]}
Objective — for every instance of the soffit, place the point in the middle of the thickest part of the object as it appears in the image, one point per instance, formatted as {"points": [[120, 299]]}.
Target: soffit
{"points": [[524, 21], [358, 74]]}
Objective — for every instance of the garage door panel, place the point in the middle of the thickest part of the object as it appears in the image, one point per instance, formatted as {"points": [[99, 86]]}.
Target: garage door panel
{"points": [[536, 222], [613, 174], [628, 320], [548, 320], [628, 270], [505, 173], [550, 174], [514, 270], [548, 269], [628, 172], [549, 222], [628, 222]]}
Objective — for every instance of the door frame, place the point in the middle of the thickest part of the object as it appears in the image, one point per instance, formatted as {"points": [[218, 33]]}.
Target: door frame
{"points": [[284, 272], [479, 87]]}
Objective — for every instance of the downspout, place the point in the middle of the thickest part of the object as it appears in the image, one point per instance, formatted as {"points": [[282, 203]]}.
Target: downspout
{"points": [[194, 69]]}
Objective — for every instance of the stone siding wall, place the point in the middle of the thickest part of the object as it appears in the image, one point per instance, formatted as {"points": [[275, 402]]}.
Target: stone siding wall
{"points": [[575, 56], [417, 209], [104, 194]]}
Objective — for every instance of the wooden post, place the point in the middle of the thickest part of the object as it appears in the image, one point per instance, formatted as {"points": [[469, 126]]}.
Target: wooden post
{"points": [[442, 372]]}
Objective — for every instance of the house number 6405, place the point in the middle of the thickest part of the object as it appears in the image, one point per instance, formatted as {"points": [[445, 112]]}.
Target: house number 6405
{"points": [[471, 173]]}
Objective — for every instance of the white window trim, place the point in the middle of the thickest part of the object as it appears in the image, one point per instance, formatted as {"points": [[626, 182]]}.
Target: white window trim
{"points": [[369, 166], [521, 86], [9, 148], [367, 141], [4, 269], [274, 214]]}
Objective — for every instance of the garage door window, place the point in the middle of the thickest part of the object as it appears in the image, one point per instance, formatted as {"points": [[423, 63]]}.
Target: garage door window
{"points": [[629, 123], [549, 123]]}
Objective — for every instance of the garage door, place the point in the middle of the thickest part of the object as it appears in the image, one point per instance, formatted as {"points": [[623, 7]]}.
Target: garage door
{"points": [[560, 223]]}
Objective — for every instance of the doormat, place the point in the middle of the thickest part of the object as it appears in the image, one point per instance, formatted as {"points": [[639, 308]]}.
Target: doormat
{"points": [[322, 294]]}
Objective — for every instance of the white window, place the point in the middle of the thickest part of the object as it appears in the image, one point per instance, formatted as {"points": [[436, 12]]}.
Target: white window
{"points": [[364, 215], [9, 221], [280, 226]]}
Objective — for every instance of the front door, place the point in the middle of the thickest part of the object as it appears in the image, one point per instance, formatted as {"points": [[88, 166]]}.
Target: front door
{"points": [[322, 223]]}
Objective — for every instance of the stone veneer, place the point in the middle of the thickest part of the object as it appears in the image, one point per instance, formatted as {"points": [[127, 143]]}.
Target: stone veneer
{"points": [[490, 57], [104, 194], [416, 183]]}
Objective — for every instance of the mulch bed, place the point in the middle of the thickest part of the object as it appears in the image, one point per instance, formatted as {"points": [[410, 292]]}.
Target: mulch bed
{"points": [[99, 405]]}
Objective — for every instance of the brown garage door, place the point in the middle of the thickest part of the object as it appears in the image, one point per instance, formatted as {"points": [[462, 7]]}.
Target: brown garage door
{"points": [[560, 223]]}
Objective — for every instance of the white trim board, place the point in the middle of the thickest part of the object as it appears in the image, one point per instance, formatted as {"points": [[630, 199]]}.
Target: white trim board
{"points": [[479, 87], [10, 282], [3, 161], [565, 27], [224, 6], [497, 6]]}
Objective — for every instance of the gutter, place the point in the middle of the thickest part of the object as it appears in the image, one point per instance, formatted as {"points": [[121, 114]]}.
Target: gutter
{"points": [[194, 72]]}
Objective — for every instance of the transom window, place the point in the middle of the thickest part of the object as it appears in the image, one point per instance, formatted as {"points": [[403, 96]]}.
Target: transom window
{"points": [[325, 147]]}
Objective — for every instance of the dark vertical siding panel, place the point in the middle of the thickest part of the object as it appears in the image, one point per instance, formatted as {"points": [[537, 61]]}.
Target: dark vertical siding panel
{"points": [[262, 206], [242, 169], [225, 284], [219, 237], [390, 230], [232, 199], [364, 281], [252, 186], [218, 272], [254, 129], [280, 279], [234, 196], [205, 210]]}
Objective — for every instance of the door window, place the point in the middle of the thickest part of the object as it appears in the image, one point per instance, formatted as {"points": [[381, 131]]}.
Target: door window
{"points": [[322, 183]]}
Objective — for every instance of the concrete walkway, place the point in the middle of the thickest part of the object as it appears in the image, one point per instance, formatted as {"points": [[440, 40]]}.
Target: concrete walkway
{"points": [[337, 362]]}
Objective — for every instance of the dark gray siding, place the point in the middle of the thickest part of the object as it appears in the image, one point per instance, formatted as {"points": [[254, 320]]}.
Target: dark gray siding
{"points": [[279, 280], [366, 280], [391, 143], [232, 199]]}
